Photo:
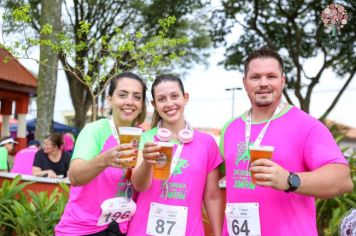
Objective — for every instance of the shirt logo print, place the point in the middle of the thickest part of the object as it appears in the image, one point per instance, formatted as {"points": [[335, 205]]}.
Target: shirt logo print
{"points": [[180, 166], [242, 153]]}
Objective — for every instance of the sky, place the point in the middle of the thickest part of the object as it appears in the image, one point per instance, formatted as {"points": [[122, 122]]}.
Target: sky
{"points": [[210, 105]]}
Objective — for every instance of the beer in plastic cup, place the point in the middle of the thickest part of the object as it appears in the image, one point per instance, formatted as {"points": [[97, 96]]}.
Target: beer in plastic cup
{"points": [[130, 135], [162, 167], [259, 152]]}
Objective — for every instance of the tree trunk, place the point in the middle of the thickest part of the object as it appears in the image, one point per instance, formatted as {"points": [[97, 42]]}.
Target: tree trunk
{"points": [[47, 76], [81, 100]]}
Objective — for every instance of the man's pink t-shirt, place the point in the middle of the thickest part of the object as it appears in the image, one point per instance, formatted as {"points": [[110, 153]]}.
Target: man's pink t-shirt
{"points": [[186, 185], [301, 143], [82, 211]]}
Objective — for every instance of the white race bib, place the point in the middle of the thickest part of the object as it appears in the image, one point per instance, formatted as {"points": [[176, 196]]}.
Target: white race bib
{"points": [[164, 220], [117, 209], [243, 219]]}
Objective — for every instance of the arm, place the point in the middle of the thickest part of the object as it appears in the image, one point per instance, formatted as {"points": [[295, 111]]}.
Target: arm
{"points": [[213, 202], [82, 171], [325, 182], [142, 174], [37, 171]]}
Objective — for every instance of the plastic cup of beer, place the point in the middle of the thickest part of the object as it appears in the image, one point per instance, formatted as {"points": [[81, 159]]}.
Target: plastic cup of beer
{"points": [[259, 152], [162, 167], [130, 135]]}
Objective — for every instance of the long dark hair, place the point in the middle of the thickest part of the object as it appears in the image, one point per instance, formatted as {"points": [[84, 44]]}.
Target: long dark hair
{"points": [[113, 83], [159, 79]]}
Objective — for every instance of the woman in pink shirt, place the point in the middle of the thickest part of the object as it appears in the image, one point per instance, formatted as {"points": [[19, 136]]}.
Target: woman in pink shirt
{"points": [[99, 202], [174, 206]]}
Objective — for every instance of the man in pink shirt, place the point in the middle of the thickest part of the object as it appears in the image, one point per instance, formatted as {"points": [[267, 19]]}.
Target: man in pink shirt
{"points": [[306, 162]]}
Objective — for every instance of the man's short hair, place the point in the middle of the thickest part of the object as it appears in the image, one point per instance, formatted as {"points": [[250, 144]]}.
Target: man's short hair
{"points": [[264, 52]]}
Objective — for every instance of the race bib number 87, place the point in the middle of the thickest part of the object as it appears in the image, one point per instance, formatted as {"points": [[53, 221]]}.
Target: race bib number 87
{"points": [[243, 219], [165, 220]]}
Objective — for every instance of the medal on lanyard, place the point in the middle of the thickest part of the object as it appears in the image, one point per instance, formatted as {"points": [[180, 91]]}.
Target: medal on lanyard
{"points": [[173, 166], [129, 190]]}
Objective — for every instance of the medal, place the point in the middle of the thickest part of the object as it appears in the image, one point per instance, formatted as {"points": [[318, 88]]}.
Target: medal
{"points": [[165, 190], [129, 191]]}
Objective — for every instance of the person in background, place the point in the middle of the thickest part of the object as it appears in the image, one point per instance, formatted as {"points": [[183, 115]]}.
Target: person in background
{"points": [[194, 176], [6, 147], [68, 140], [23, 160], [51, 161], [99, 181], [306, 162]]}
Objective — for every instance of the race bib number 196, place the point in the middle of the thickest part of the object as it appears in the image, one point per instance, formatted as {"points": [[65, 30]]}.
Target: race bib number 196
{"points": [[243, 219], [164, 220], [117, 209]]}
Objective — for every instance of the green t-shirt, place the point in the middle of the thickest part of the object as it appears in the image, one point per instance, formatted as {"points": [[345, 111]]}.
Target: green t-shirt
{"points": [[147, 137], [3, 158], [91, 140]]}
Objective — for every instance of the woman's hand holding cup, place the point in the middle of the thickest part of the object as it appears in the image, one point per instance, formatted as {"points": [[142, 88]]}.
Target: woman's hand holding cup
{"points": [[123, 155]]}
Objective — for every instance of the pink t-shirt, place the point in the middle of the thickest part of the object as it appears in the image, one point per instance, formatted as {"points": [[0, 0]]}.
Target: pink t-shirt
{"points": [[301, 143], [82, 211], [186, 185], [23, 161]]}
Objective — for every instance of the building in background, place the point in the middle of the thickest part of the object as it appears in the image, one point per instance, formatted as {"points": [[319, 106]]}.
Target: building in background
{"points": [[17, 86]]}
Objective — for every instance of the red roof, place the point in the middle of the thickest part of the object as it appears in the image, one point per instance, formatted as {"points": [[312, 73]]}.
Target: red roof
{"points": [[14, 72]]}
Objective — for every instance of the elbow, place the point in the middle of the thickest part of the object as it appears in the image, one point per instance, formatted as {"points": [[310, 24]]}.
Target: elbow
{"points": [[345, 187], [140, 187], [349, 187], [73, 180]]}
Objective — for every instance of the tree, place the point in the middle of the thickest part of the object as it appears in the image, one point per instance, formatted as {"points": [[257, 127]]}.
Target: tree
{"points": [[298, 33], [47, 75], [126, 50], [101, 20]]}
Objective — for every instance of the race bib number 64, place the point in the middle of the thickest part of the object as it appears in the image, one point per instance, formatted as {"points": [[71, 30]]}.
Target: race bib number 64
{"points": [[164, 220], [243, 219]]}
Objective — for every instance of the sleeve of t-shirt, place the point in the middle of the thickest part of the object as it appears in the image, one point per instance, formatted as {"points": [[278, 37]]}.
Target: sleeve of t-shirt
{"points": [[222, 167], [3, 159], [37, 160], [147, 137], [215, 158], [321, 149], [87, 146]]}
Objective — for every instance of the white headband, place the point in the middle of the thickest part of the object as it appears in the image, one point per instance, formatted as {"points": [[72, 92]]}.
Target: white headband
{"points": [[8, 140]]}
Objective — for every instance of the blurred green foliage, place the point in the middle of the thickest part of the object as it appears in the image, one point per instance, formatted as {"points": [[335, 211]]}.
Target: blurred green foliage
{"points": [[32, 214]]}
